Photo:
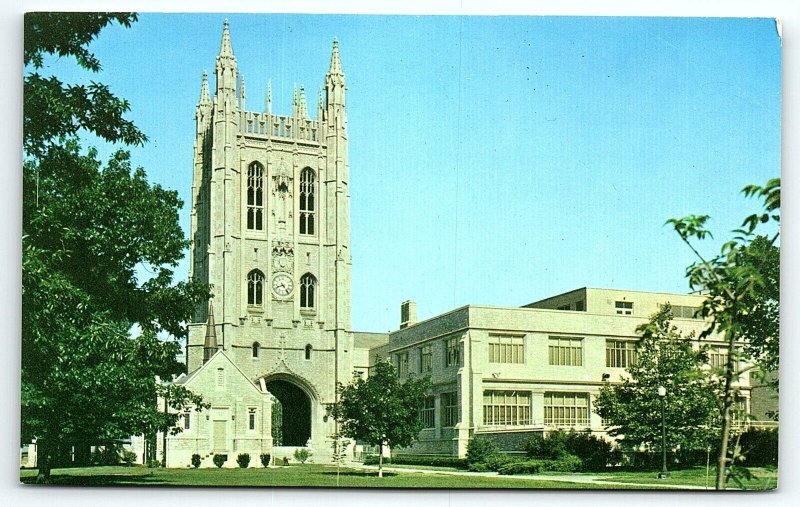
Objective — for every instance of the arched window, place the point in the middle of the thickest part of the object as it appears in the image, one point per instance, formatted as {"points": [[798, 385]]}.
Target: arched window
{"points": [[256, 347], [308, 286], [309, 348], [255, 288], [255, 197], [307, 204]]}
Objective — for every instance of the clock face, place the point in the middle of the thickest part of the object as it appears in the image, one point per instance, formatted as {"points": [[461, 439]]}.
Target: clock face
{"points": [[282, 285]]}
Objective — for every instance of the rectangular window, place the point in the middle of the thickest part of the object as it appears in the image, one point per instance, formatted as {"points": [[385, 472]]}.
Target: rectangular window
{"points": [[565, 351], [718, 356], [685, 312], [251, 419], [187, 420], [449, 409], [426, 359], [620, 354], [563, 307], [566, 410], [220, 378], [452, 352], [506, 408], [427, 412], [624, 307], [402, 364], [580, 306], [506, 349]]}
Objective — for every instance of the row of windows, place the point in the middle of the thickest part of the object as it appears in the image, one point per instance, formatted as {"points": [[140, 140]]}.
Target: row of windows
{"points": [[255, 350], [255, 289], [448, 410], [251, 420], [513, 408], [255, 199], [452, 357]]}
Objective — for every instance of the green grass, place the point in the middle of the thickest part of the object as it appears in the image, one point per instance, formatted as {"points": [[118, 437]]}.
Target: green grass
{"points": [[763, 478], [291, 476]]}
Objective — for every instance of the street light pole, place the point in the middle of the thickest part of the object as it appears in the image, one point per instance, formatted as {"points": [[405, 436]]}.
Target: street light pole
{"points": [[662, 393]]}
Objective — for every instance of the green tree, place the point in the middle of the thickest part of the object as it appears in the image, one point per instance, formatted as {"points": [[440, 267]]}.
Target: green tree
{"points": [[89, 229], [742, 284], [664, 358], [381, 410]]}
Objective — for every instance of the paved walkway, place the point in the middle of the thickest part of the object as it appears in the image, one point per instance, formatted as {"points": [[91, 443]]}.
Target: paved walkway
{"points": [[576, 479]]}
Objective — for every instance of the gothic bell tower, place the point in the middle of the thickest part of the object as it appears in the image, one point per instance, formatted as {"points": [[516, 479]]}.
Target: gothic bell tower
{"points": [[270, 230]]}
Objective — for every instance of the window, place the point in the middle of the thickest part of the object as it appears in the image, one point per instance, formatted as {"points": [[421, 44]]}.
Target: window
{"points": [[187, 420], [255, 197], [308, 286], [426, 412], [580, 306], [565, 351], [506, 408], [718, 356], [563, 307], [255, 349], [624, 307], [307, 201], [255, 288], [620, 354], [309, 348], [426, 359], [251, 419], [449, 409], [220, 378], [452, 352], [685, 312], [566, 409], [402, 364], [506, 349]]}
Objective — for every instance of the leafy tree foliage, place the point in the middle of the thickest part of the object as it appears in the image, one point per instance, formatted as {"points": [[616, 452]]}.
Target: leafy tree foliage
{"points": [[381, 410], [632, 409], [742, 284], [88, 229]]}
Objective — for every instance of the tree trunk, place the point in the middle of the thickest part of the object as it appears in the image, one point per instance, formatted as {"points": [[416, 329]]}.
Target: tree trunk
{"points": [[722, 459], [380, 461], [44, 462]]}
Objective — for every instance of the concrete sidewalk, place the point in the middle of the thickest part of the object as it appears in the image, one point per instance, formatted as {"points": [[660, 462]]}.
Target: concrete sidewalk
{"points": [[575, 479]]}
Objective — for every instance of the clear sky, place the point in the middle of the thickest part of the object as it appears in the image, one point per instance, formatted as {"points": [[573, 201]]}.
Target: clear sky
{"points": [[493, 160]]}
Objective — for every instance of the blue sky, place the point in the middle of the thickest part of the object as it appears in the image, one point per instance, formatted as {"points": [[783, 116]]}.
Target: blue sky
{"points": [[493, 160]]}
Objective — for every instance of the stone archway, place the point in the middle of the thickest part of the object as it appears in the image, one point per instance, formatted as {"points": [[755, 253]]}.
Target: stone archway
{"points": [[291, 421]]}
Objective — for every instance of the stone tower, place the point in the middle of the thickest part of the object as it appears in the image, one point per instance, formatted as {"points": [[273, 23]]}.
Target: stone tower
{"points": [[270, 225]]}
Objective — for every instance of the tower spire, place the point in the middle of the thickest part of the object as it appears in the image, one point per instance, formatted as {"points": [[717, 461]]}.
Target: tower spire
{"points": [[302, 106], [210, 346], [205, 97], [225, 48], [336, 64], [268, 98], [226, 64]]}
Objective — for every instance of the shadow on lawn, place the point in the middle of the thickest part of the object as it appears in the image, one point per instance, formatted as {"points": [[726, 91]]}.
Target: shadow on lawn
{"points": [[357, 473], [98, 480]]}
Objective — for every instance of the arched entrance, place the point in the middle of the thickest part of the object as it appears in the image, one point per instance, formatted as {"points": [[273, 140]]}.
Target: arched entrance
{"points": [[291, 415]]}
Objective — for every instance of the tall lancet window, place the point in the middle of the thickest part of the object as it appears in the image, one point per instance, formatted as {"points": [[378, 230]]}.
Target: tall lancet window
{"points": [[255, 288], [307, 204], [255, 197], [308, 286]]}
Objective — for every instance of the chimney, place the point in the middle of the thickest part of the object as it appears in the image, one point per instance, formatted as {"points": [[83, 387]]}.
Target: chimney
{"points": [[408, 314]]}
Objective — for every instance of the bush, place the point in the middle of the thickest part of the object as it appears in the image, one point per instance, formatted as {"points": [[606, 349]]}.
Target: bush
{"points": [[128, 457], [480, 450], [243, 460], [595, 454], [566, 463], [432, 460], [220, 459], [302, 455], [196, 460], [759, 447], [265, 459]]}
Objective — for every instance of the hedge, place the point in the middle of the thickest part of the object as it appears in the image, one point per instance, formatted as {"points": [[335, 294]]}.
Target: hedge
{"points": [[431, 460]]}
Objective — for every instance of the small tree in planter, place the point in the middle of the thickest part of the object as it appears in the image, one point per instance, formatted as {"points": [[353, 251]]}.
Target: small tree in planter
{"points": [[265, 459], [302, 455], [243, 460], [220, 459], [196, 460]]}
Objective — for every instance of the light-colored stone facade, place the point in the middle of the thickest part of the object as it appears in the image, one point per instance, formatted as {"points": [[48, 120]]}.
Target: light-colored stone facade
{"points": [[516, 369], [270, 230]]}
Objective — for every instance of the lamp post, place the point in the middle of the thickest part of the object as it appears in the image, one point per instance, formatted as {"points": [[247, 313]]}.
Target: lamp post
{"points": [[663, 474]]}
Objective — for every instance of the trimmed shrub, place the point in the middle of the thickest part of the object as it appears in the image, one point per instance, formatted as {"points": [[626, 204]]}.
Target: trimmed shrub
{"points": [[566, 463], [551, 447], [520, 467], [432, 460], [480, 450], [220, 459], [265, 459], [243, 460], [128, 457], [759, 447], [196, 460], [595, 454], [302, 455]]}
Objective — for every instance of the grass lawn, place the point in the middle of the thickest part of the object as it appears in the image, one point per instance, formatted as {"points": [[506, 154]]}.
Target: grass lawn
{"points": [[292, 476], [763, 478]]}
